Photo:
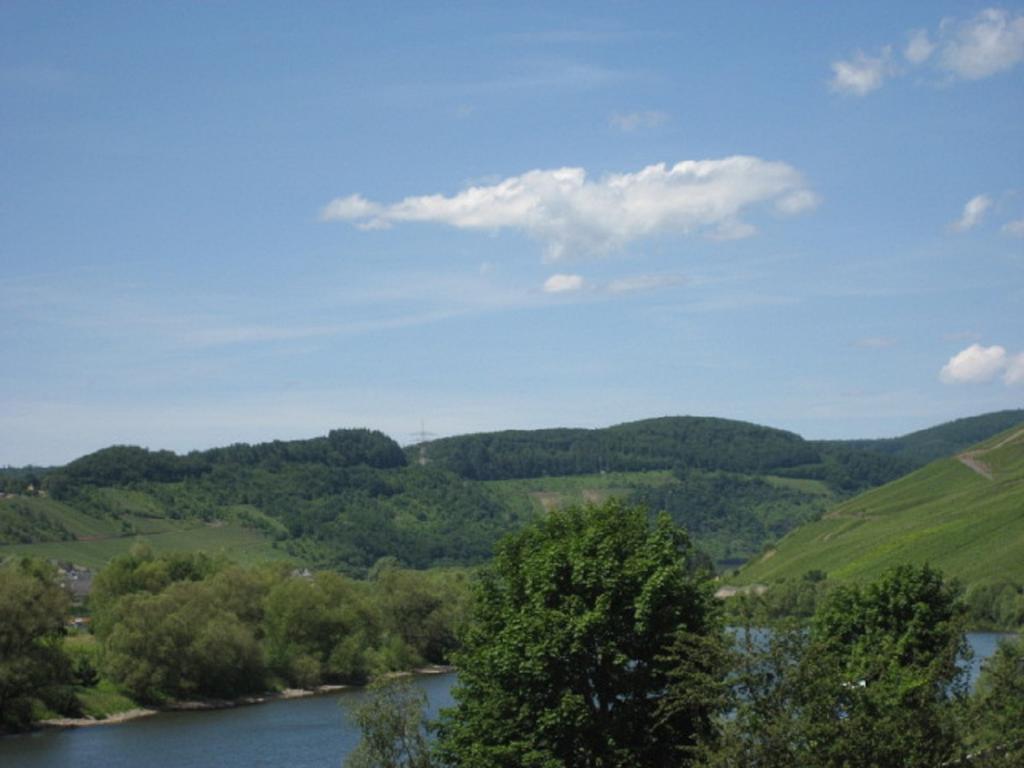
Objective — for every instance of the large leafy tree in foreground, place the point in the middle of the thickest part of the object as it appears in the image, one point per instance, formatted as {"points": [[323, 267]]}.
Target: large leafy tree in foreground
{"points": [[593, 642]]}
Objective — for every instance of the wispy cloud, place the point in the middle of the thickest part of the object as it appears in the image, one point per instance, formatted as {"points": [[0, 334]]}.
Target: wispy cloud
{"points": [[962, 336], [1014, 228], [563, 283], [574, 215], [261, 333], [638, 283], [974, 211], [919, 47], [990, 42], [861, 74], [627, 122], [875, 342]]}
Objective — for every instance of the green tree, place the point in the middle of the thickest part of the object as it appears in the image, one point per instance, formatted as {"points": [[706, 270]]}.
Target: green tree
{"points": [[181, 642], [394, 727], [997, 709], [321, 628], [874, 682], [575, 630], [33, 666]]}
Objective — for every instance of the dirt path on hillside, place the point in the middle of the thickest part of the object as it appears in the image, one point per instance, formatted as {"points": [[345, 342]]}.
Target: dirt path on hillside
{"points": [[970, 458]]}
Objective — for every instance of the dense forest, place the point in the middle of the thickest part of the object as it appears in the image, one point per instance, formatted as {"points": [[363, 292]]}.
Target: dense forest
{"points": [[665, 443], [705, 443]]}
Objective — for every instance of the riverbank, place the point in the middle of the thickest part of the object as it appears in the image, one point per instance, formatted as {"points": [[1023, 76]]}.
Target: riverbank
{"points": [[199, 705]]}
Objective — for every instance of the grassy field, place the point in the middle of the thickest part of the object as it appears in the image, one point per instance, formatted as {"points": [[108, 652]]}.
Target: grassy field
{"points": [[243, 545], [945, 514], [533, 496]]}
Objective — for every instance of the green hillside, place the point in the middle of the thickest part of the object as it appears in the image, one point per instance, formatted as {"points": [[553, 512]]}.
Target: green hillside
{"points": [[967, 521]]}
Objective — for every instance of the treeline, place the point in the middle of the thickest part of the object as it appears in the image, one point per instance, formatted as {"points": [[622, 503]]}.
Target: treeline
{"points": [[182, 626], [665, 443], [342, 501], [684, 442], [996, 606], [941, 441], [123, 465]]}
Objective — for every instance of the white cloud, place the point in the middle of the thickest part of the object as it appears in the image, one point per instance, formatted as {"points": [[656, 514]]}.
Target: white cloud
{"points": [[987, 44], [991, 42], [574, 215], [974, 364], [861, 74], [974, 211], [630, 121], [1014, 369], [563, 283], [1015, 228], [919, 47], [348, 208], [637, 283]]}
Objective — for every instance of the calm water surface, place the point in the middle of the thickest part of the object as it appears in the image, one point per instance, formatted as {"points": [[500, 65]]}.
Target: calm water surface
{"points": [[314, 732], [300, 733]]}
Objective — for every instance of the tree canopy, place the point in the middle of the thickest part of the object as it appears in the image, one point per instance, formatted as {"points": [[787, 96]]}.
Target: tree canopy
{"points": [[873, 682], [577, 627], [33, 666]]}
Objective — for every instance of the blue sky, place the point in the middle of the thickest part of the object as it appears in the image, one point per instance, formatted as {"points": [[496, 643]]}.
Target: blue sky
{"points": [[226, 222]]}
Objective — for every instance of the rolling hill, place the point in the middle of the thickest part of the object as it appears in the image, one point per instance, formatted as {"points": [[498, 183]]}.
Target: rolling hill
{"points": [[353, 496]]}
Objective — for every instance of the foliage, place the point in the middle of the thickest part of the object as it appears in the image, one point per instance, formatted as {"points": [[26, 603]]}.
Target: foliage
{"points": [[996, 605], [181, 643], [731, 516], [576, 628], [997, 709], [22, 521], [344, 500], [873, 682], [185, 625], [665, 443], [393, 726], [33, 665]]}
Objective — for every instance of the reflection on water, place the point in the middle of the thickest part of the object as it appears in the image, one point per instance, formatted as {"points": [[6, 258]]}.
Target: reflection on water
{"points": [[299, 733]]}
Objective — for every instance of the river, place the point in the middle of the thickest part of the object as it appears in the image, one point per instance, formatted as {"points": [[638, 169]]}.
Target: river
{"points": [[313, 732]]}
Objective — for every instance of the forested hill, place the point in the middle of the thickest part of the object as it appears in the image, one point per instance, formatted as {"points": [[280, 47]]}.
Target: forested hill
{"points": [[669, 443], [344, 500], [353, 496]]}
